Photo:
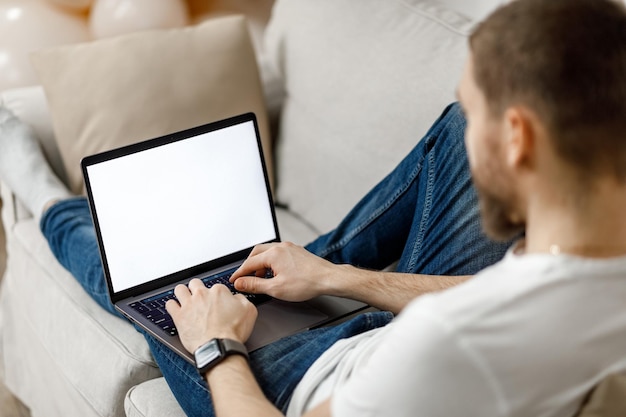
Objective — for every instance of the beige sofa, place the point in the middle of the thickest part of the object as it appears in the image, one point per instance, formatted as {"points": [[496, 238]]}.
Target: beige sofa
{"points": [[351, 84]]}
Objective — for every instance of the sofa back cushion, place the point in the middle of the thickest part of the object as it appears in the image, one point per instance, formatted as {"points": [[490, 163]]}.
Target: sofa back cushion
{"points": [[364, 80]]}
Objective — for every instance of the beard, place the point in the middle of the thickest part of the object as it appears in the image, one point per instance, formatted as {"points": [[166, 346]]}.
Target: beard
{"points": [[497, 213]]}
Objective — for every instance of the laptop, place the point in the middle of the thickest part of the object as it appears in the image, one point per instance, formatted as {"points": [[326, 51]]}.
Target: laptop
{"points": [[192, 204]]}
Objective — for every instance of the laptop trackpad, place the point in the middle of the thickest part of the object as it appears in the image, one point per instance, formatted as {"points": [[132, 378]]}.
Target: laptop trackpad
{"points": [[278, 319]]}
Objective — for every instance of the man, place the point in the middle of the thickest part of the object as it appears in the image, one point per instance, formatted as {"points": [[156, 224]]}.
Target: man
{"points": [[424, 215], [495, 345], [544, 91]]}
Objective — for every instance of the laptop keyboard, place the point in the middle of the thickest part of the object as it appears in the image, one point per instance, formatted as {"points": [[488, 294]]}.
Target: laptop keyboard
{"points": [[153, 308]]}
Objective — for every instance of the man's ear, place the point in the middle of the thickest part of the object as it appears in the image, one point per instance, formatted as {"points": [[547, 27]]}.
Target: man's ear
{"points": [[519, 136]]}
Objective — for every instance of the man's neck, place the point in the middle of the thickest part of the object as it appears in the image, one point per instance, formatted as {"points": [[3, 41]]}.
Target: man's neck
{"points": [[592, 225]]}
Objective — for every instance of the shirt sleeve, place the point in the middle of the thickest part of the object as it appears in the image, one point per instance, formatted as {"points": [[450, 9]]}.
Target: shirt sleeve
{"points": [[423, 367]]}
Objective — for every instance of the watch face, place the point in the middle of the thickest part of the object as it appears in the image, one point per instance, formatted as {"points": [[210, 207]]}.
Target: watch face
{"points": [[208, 353]]}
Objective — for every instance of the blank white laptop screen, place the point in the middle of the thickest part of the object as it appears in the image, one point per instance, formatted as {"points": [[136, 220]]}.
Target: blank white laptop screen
{"points": [[179, 205]]}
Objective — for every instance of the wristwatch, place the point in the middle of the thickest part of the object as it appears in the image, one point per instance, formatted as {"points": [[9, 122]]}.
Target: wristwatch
{"points": [[215, 351]]}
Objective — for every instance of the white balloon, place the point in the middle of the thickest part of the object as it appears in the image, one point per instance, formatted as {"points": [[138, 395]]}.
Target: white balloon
{"points": [[117, 17], [29, 25]]}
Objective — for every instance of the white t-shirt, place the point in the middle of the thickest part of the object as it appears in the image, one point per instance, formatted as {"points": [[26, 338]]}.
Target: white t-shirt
{"points": [[529, 336]]}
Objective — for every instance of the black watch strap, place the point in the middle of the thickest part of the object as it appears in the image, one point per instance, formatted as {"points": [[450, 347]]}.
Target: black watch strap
{"points": [[215, 351]]}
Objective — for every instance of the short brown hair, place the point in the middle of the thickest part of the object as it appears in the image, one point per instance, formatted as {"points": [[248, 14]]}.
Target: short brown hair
{"points": [[566, 60]]}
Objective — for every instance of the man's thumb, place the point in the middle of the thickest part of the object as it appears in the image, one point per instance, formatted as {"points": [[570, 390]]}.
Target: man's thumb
{"points": [[252, 285]]}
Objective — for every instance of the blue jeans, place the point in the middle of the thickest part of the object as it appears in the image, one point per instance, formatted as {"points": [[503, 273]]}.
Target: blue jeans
{"points": [[424, 215]]}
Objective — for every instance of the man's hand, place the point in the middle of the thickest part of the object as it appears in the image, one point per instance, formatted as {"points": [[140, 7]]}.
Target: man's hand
{"points": [[202, 314], [298, 274]]}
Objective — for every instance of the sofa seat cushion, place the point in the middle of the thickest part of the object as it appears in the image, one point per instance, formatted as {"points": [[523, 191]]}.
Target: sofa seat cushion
{"points": [[364, 81], [50, 322]]}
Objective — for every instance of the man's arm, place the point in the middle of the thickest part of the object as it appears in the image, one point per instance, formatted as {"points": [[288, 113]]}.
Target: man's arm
{"points": [[390, 291], [300, 275], [235, 392]]}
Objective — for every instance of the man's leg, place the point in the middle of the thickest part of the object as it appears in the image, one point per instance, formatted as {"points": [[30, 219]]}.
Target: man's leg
{"points": [[446, 235], [69, 230], [424, 214]]}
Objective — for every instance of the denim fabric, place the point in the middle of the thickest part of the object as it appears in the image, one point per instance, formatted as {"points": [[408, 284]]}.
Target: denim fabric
{"points": [[71, 235], [424, 214]]}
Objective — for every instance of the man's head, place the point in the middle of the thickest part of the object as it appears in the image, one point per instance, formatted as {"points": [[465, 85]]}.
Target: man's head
{"points": [[545, 72]]}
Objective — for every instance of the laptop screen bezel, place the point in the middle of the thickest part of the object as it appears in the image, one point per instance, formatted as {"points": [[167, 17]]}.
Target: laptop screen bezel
{"points": [[195, 270]]}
